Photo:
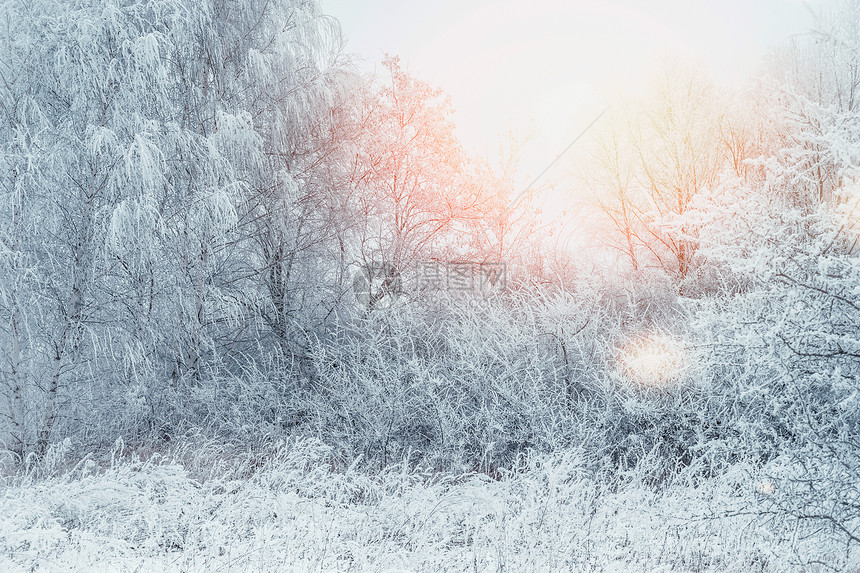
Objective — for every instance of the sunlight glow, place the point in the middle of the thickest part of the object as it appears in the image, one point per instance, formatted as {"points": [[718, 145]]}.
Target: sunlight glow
{"points": [[653, 360]]}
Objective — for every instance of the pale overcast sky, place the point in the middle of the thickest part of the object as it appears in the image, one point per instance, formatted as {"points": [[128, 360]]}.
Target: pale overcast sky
{"points": [[548, 66]]}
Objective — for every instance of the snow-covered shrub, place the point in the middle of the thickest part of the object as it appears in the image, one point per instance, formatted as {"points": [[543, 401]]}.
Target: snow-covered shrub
{"points": [[785, 356], [476, 385]]}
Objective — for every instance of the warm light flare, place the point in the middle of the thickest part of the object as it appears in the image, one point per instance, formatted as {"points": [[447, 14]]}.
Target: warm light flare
{"points": [[653, 360]]}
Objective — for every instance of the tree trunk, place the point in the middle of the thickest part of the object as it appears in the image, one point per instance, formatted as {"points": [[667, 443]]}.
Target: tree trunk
{"points": [[16, 406], [71, 335]]}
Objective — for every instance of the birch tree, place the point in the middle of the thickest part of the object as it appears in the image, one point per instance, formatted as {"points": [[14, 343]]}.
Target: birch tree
{"points": [[144, 144]]}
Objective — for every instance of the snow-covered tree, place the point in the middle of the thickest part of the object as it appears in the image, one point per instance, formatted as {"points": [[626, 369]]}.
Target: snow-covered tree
{"points": [[145, 146], [652, 164], [812, 90], [415, 188]]}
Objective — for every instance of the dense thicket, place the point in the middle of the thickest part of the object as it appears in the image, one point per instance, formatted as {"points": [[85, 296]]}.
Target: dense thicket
{"points": [[190, 190]]}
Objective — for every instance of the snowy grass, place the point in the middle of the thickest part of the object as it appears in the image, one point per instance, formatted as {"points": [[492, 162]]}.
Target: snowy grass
{"points": [[289, 507]]}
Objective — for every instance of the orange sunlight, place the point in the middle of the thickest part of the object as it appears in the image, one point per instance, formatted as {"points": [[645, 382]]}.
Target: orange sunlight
{"points": [[654, 360]]}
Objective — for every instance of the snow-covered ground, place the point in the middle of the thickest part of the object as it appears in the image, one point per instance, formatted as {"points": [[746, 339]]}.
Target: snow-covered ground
{"points": [[291, 508]]}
